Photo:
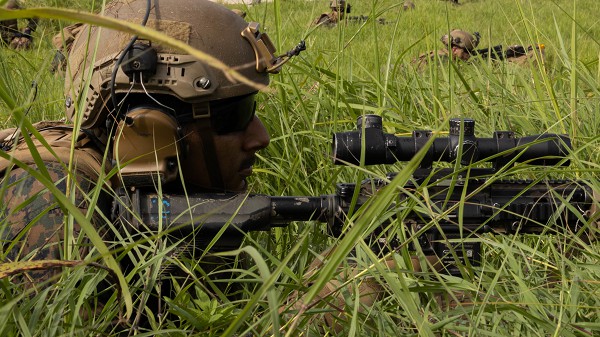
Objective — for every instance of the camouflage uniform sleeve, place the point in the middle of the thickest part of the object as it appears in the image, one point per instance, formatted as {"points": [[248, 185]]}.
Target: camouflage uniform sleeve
{"points": [[32, 224], [322, 19], [327, 19], [423, 60]]}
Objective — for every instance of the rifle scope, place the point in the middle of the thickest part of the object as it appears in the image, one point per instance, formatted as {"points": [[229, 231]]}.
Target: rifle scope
{"points": [[384, 148]]}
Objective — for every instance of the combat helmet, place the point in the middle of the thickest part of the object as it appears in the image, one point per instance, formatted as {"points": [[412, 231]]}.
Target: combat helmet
{"points": [[123, 67], [340, 6], [11, 24], [12, 4], [461, 39], [202, 24]]}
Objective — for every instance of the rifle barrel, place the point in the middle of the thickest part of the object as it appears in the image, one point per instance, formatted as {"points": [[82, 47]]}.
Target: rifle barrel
{"points": [[232, 213]]}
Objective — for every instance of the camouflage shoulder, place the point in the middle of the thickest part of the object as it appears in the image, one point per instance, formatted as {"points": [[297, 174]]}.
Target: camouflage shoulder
{"points": [[32, 221], [422, 60], [325, 19], [85, 156]]}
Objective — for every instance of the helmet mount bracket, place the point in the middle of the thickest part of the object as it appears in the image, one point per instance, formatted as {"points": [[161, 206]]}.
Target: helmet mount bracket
{"points": [[141, 61]]}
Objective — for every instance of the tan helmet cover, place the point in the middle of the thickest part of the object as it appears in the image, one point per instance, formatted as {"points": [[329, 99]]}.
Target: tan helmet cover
{"points": [[204, 25], [337, 4], [461, 39]]}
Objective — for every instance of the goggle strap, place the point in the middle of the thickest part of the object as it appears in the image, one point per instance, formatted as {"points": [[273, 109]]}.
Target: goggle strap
{"points": [[210, 154], [201, 110]]}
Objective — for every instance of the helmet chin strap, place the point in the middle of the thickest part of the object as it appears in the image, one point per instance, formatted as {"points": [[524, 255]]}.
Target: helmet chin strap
{"points": [[210, 155]]}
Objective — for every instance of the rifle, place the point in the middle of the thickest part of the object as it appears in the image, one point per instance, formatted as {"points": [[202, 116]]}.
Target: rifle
{"points": [[499, 53], [484, 205], [364, 18]]}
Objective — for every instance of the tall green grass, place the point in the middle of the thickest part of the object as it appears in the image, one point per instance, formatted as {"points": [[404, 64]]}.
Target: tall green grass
{"points": [[543, 285]]}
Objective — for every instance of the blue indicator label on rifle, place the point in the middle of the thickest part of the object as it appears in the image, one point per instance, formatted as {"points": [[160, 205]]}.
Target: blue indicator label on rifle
{"points": [[154, 209]]}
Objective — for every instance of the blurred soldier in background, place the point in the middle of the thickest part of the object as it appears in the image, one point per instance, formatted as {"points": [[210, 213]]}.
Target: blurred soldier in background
{"points": [[9, 29], [407, 5], [338, 10], [459, 46]]}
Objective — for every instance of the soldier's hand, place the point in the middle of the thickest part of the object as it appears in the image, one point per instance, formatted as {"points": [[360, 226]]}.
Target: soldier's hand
{"points": [[20, 43]]}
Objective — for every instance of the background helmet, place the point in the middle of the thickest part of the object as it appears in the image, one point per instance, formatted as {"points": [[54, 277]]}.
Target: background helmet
{"points": [[407, 5], [12, 4], [461, 39], [11, 25], [202, 24], [340, 6]]}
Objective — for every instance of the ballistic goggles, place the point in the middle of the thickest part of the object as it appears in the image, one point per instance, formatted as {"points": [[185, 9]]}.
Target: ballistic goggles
{"points": [[226, 115]]}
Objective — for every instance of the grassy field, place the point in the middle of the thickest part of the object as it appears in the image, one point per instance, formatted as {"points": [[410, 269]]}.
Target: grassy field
{"points": [[542, 285]]}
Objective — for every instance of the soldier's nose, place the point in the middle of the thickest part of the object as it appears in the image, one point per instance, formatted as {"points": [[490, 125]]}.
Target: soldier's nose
{"points": [[256, 136]]}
